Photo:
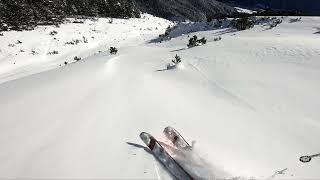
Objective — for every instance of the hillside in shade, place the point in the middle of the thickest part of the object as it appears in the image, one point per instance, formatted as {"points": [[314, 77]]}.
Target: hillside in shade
{"points": [[26, 14], [195, 10]]}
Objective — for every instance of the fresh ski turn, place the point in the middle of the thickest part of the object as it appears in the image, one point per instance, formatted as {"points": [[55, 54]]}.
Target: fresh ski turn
{"points": [[163, 156]]}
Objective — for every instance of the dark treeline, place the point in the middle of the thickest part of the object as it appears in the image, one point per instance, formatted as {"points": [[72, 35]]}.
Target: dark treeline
{"points": [[25, 14]]}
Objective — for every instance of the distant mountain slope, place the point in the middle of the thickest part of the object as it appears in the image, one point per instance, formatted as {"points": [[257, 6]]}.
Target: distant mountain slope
{"points": [[311, 6], [25, 14], [195, 10]]}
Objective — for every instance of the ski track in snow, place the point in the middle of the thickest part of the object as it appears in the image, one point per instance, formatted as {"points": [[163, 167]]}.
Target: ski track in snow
{"points": [[250, 100], [226, 91]]}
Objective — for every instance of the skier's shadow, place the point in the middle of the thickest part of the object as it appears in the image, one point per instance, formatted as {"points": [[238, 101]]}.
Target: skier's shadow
{"points": [[176, 50], [140, 147]]}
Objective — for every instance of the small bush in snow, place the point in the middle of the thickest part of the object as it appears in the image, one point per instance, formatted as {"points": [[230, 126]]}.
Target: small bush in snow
{"points": [[73, 42], [85, 40], [65, 63], [33, 52], [295, 20], [166, 36], [18, 42], [76, 58], [11, 45], [52, 33], [176, 60], [194, 41], [113, 50], [53, 52], [275, 23], [217, 39], [202, 41], [242, 23], [1, 34]]}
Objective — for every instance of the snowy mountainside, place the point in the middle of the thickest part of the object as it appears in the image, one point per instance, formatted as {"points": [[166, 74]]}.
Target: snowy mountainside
{"points": [[47, 47], [250, 100], [243, 10]]}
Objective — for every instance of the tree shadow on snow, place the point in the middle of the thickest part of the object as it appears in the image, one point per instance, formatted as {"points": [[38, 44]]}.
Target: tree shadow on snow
{"points": [[169, 67], [317, 29], [226, 31], [181, 49], [160, 70], [184, 28]]}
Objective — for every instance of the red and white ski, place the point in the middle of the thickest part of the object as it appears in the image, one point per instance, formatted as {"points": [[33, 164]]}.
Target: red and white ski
{"points": [[163, 156], [185, 156], [175, 137]]}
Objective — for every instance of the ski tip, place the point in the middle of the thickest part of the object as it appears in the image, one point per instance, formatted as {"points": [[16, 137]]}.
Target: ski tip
{"points": [[148, 140], [168, 128], [144, 135], [145, 138]]}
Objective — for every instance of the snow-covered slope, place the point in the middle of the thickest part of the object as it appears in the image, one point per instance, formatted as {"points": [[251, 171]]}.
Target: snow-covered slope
{"points": [[83, 38], [250, 101], [242, 10]]}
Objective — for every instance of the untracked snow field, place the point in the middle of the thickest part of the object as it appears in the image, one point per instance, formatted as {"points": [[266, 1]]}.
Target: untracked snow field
{"points": [[250, 101]]}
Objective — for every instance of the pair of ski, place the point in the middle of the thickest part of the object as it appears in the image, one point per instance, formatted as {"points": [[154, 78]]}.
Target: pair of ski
{"points": [[163, 156]]}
